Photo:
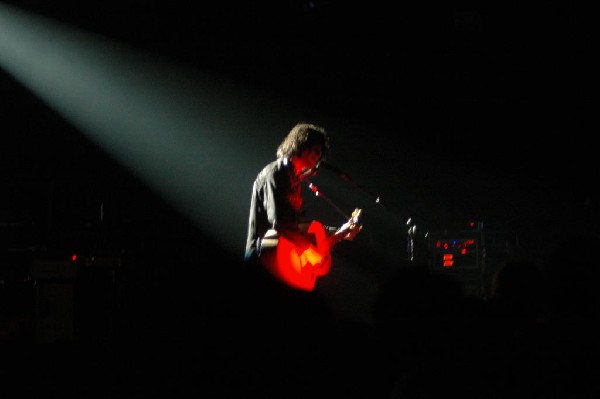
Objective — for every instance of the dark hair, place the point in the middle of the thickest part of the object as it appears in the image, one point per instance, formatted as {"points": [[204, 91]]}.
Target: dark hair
{"points": [[304, 136]]}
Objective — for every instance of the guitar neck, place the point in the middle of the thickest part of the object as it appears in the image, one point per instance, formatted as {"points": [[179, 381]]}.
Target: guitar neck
{"points": [[334, 239]]}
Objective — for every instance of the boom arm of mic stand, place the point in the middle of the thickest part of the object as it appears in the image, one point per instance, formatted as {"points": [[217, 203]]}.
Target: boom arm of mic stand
{"points": [[344, 176], [375, 198]]}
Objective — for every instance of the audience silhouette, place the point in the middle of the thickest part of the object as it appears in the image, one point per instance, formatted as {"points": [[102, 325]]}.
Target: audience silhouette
{"points": [[535, 334]]}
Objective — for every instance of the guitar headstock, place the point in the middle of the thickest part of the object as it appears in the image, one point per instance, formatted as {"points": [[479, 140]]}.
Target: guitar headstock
{"points": [[355, 215], [348, 230], [352, 227]]}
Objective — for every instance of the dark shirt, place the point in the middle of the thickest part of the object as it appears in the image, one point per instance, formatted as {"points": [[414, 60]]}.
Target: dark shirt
{"points": [[276, 204]]}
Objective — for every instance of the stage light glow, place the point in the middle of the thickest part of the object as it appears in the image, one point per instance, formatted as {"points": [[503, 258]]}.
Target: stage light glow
{"points": [[183, 133]]}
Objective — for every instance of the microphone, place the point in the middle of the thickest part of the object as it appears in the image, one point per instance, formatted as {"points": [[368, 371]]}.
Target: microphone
{"points": [[335, 170]]}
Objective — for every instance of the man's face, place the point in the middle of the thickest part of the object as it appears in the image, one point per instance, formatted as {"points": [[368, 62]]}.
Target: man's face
{"points": [[308, 160]]}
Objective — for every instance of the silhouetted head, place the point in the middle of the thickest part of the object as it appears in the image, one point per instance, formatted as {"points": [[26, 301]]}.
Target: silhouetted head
{"points": [[303, 137]]}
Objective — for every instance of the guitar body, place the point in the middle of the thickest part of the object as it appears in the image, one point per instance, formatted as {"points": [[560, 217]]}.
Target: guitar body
{"points": [[297, 267]]}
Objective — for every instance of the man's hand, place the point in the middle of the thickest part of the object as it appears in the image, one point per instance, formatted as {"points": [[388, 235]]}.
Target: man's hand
{"points": [[351, 228]]}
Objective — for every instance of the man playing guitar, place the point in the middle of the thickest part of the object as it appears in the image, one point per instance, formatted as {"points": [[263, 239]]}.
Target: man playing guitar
{"points": [[278, 237]]}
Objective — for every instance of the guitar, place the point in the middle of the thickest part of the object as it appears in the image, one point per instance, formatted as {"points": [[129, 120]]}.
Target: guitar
{"points": [[299, 266]]}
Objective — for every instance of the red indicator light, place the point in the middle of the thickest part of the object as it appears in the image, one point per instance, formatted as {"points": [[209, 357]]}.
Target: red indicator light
{"points": [[74, 257], [447, 260]]}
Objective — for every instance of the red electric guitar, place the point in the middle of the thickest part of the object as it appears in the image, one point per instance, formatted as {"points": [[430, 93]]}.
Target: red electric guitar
{"points": [[299, 267]]}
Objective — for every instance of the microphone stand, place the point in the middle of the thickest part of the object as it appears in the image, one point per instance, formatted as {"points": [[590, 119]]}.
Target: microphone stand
{"points": [[344, 176], [411, 239]]}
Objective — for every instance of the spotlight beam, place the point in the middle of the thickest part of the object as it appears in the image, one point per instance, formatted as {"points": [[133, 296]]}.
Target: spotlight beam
{"points": [[180, 131]]}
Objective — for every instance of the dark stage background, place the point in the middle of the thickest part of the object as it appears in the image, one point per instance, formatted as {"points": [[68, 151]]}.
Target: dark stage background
{"points": [[470, 119], [452, 113]]}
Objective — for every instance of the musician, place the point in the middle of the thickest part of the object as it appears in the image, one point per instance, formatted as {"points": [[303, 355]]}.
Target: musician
{"points": [[276, 202]]}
